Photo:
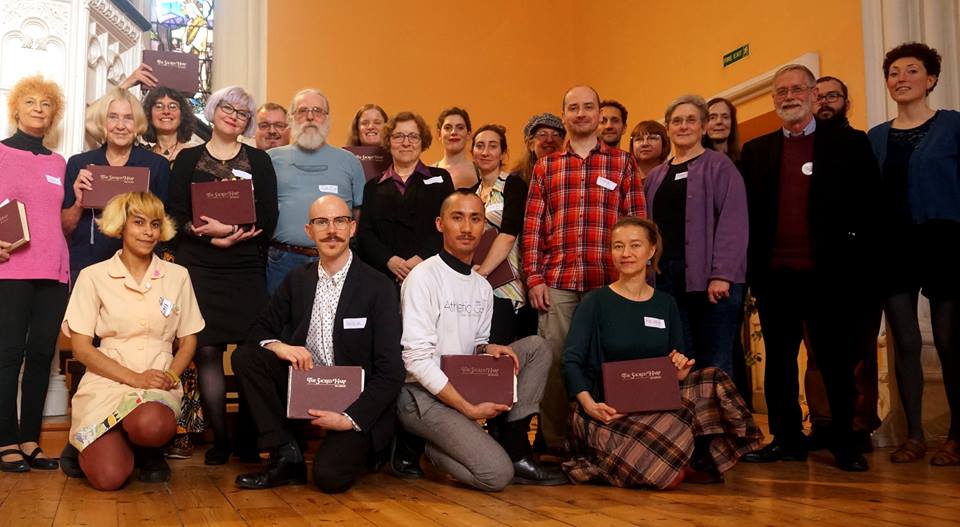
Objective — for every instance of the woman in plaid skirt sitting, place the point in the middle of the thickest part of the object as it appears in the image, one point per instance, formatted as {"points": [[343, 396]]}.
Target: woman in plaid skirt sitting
{"points": [[628, 320]]}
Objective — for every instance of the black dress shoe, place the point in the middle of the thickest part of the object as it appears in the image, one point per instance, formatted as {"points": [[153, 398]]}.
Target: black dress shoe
{"points": [[528, 471], [775, 452], [820, 438], [40, 463], [862, 441], [248, 455], [19, 465], [286, 467], [216, 455], [70, 462], [404, 460], [851, 462], [153, 467]]}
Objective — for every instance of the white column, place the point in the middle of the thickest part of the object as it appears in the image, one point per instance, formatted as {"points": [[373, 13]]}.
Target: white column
{"points": [[240, 46]]}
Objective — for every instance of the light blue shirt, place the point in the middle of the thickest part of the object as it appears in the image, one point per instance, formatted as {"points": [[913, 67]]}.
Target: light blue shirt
{"points": [[807, 130], [304, 176]]}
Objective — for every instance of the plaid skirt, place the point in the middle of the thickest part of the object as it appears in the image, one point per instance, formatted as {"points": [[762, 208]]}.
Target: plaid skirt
{"points": [[651, 449]]}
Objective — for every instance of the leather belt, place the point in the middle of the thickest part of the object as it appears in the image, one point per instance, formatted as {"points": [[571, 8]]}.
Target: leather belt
{"points": [[305, 251]]}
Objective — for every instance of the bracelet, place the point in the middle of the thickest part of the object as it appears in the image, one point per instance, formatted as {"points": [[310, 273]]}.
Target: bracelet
{"points": [[172, 376]]}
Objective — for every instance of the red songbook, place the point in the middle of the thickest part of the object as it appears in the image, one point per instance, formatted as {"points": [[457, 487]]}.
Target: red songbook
{"points": [[228, 201], [111, 181], [641, 385], [329, 388], [374, 159], [482, 378], [13, 224], [175, 70], [503, 274]]}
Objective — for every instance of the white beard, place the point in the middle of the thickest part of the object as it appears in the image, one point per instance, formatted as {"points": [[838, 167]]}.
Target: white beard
{"points": [[309, 138]]}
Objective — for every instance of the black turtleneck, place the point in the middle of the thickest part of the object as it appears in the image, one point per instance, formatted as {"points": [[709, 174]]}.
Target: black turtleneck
{"points": [[454, 263], [24, 141]]}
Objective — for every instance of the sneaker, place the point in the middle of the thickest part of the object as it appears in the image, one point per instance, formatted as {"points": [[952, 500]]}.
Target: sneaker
{"points": [[179, 448]]}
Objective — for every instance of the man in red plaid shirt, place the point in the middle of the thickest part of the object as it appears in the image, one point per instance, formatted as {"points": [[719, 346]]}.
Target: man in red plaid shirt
{"points": [[575, 197]]}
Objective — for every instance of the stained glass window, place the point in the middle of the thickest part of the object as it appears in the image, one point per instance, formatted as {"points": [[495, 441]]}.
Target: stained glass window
{"points": [[187, 26]]}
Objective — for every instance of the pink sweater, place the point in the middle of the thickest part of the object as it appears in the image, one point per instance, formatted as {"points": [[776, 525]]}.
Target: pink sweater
{"points": [[37, 181]]}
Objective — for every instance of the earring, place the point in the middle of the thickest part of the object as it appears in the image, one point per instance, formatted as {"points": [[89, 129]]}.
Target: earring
{"points": [[649, 262]]}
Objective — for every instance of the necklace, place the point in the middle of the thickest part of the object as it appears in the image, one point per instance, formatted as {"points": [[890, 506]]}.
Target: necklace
{"points": [[167, 151]]}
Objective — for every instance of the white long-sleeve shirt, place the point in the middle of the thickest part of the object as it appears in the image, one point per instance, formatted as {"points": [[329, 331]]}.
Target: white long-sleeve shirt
{"points": [[445, 312]]}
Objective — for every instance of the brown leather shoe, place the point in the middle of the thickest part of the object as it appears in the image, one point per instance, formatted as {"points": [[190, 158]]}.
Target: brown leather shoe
{"points": [[948, 455], [909, 452]]}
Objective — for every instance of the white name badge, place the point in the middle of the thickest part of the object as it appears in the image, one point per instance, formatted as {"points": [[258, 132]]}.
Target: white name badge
{"points": [[495, 207], [354, 323], [606, 183], [807, 168], [653, 322], [680, 175], [166, 307], [240, 174], [333, 189], [434, 179], [54, 180]]}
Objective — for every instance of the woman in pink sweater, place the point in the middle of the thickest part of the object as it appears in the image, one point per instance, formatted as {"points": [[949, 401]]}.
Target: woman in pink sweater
{"points": [[34, 277]]}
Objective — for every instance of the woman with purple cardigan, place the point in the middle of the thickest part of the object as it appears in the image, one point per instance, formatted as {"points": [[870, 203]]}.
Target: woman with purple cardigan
{"points": [[699, 202]]}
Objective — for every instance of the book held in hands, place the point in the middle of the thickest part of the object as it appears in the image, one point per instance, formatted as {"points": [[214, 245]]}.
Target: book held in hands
{"points": [[13, 223], [641, 385], [328, 388], [175, 70], [502, 274], [229, 201], [482, 378], [374, 159], [111, 181]]}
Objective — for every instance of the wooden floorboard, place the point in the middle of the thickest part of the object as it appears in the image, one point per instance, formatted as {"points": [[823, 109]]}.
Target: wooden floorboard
{"points": [[811, 493]]}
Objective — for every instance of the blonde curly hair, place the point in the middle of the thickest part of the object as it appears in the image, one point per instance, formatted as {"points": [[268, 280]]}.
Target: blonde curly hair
{"points": [[145, 204], [35, 85]]}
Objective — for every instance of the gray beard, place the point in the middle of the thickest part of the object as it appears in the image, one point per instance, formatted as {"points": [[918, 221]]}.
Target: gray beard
{"points": [[310, 139]]}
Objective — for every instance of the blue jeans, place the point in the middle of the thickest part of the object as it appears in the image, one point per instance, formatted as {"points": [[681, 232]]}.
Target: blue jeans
{"points": [[279, 263], [708, 329]]}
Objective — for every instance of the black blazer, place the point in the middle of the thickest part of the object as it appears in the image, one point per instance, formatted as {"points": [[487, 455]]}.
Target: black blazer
{"points": [[404, 225], [844, 207], [375, 347]]}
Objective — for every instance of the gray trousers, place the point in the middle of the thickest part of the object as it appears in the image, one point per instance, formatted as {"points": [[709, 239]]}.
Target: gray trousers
{"points": [[458, 445], [554, 326]]}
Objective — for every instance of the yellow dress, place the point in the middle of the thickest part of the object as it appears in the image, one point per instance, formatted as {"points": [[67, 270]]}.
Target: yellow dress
{"points": [[137, 324]]}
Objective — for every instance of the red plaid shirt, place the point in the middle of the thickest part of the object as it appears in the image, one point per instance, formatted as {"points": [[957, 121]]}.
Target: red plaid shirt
{"points": [[571, 206]]}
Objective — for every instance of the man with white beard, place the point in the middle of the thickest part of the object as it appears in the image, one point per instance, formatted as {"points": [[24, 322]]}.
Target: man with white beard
{"points": [[306, 169]]}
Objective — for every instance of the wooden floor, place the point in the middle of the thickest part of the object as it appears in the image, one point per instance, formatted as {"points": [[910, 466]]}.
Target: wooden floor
{"points": [[813, 493]]}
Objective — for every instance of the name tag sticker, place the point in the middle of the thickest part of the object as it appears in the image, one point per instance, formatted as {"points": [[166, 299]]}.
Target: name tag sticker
{"points": [[653, 322], [606, 183], [680, 175], [807, 168], [240, 174], [354, 323], [495, 207], [434, 179], [4, 202], [166, 307], [329, 188], [54, 180]]}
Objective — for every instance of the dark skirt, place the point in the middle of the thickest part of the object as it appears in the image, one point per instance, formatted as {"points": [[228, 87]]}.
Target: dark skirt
{"points": [[229, 300], [651, 449]]}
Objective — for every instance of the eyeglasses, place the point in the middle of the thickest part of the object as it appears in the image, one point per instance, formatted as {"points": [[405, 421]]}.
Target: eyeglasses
{"points": [[278, 126], [304, 111], [830, 96], [780, 93], [648, 138], [339, 222], [412, 137], [690, 120], [228, 109], [170, 107], [547, 134]]}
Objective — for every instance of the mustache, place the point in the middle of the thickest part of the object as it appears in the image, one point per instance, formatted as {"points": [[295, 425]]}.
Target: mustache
{"points": [[333, 238]]}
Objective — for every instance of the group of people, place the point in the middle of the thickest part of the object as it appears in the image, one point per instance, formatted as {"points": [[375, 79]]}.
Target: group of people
{"points": [[613, 255]]}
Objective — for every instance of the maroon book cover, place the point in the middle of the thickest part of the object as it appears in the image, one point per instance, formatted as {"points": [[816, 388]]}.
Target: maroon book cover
{"points": [[481, 378], [178, 71], [111, 181], [329, 388], [374, 159], [228, 201], [641, 385], [502, 274], [13, 223]]}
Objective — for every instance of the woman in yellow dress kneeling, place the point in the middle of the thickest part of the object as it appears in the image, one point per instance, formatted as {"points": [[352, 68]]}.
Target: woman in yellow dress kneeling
{"points": [[136, 304]]}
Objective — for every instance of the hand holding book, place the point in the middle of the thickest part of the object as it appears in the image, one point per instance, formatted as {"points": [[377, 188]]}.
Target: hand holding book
{"points": [[4, 251], [683, 364], [330, 420]]}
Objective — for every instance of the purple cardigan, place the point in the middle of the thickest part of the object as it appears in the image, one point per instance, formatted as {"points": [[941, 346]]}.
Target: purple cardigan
{"points": [[716, 228]]}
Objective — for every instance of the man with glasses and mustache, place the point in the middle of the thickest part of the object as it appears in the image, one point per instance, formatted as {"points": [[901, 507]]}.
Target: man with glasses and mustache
{"points": [[812, 198], [339, 312], [306, 169], [272, 127]]}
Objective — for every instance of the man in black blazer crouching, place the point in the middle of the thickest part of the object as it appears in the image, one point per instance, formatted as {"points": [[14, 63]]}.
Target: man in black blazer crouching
{"points": [[338, 312]]}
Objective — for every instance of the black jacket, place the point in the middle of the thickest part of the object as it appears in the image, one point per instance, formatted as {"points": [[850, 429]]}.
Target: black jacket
{"points": [[375, 347], [844, 206]]}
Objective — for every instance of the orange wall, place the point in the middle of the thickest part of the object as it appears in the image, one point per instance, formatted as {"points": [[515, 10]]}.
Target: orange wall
{"points": [[504, 60]]}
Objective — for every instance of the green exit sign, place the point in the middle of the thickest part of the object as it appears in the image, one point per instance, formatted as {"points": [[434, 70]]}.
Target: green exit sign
{"points": [[735, 55]]}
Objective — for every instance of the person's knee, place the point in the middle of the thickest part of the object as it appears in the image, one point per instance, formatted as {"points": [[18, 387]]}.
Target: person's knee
{"points": [[108, 476], [151, 425], [332, 480], [496, 476]]}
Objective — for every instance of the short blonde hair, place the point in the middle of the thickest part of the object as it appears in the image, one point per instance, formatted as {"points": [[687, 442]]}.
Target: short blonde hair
{"points": [[145, 204], [35, 84], [97, 113]]}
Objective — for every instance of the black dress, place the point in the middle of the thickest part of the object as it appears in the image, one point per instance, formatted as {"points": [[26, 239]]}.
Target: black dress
{"points": [[230, 283]]}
